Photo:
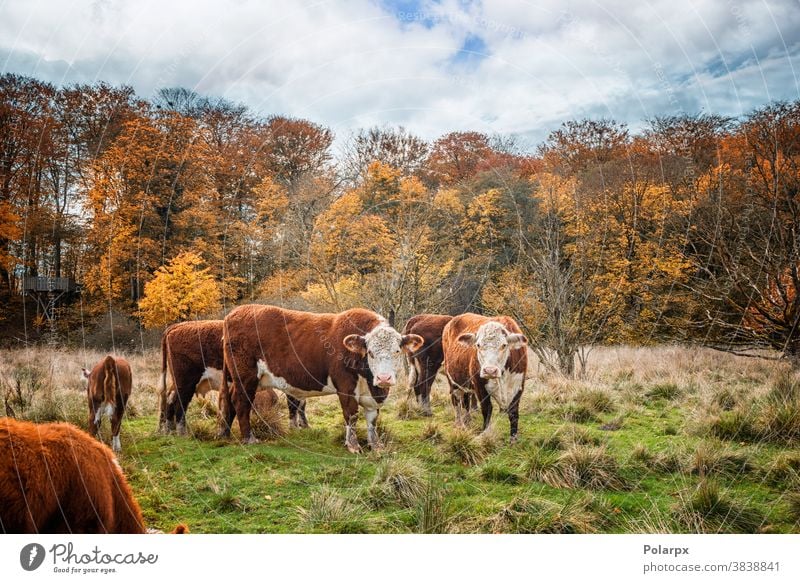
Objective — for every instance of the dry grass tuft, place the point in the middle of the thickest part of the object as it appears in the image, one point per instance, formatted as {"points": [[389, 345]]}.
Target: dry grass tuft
{"points": [[529, 515], [329, 511], [465, 447], [706, 509], [397, 480]]}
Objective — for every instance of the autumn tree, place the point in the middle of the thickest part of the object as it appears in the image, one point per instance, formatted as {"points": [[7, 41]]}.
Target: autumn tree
{"points": [[394, 147], [745, 244], [181, 290]]}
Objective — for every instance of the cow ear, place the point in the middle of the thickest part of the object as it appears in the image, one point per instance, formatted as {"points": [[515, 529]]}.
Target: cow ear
{"points": [[516, 341], [356, 343], [412, 342], [467, 339]]}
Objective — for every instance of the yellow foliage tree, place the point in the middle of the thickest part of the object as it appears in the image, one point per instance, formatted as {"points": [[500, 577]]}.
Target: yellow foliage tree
{"points": [[181, 290]]}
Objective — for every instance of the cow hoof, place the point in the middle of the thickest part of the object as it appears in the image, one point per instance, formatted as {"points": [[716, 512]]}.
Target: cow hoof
{"points": [[251, 440], [378, 446], [353, 448], [513, 440]]}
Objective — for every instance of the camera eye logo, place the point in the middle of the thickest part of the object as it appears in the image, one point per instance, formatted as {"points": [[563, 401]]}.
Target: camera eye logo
{"points": [[31, 556]]}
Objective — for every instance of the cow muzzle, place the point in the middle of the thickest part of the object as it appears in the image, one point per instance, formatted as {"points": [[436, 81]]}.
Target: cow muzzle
{"points": [[384, 381], [490, 372]]}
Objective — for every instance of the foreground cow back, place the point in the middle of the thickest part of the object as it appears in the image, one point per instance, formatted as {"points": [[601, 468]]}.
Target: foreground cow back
{"points": [[425, 362], [355, 355], [108, 387], [54, 478], [488, 358]]}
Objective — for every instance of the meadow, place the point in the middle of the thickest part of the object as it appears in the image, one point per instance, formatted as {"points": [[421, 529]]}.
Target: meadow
{"points": [[662, 439]]}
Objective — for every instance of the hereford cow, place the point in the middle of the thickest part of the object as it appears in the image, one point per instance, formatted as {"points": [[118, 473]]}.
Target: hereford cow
{"points": [[192, 363], [488, 358], [425, 362], [354, 354], [108, 387], [54, 478]]}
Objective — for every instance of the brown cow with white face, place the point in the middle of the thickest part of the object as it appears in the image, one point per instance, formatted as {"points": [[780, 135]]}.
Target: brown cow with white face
{"points": [[425, 362], [192, 363], [487, 357], [108, 387], [354, 354]]}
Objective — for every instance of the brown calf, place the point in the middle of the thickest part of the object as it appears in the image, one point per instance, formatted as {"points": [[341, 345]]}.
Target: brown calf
{"points": [[108, 387], [488, 358], [354, 354], [425, 362]]}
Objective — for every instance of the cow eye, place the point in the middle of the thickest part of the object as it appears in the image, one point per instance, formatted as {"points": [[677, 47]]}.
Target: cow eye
{"points": [[504, 346], [478, 345], [370, 353], [397, 351]]}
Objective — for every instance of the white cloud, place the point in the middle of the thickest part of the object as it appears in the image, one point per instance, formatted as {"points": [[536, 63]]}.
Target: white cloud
{"points": [[355, 63]]}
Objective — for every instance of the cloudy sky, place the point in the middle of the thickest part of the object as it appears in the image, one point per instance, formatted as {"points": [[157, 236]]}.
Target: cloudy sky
{"points": [[506, 66]]}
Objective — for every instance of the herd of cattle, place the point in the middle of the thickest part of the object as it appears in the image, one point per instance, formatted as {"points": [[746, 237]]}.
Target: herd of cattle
{"points": [[355, 355]]}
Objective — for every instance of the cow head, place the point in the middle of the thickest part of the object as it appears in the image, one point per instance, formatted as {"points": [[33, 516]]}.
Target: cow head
{"points": [[383, 346], [494, 343], [85, 376]]}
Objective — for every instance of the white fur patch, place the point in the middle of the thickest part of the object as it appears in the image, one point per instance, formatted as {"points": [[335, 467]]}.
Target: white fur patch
{"points": [[210, 381], [106, 410], [266, 379], [115, 443], [364, 397], [503, 389]]}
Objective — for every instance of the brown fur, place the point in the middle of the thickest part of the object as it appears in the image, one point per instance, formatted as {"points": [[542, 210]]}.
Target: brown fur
{"points": [[54, 478], [187, 349], [301, 347], [109, 384], [463, 369], [426, 361]]}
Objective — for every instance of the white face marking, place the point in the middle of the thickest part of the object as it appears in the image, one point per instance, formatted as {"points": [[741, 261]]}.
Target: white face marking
{"points": [[266, 379], [210, 381], [492, 345], [384, 354]]}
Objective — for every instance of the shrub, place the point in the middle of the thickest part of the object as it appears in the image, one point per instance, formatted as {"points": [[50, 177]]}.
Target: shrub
{"points": [[527, 515], [464, 447], [706, 509], [397, 480], [329, 511]]}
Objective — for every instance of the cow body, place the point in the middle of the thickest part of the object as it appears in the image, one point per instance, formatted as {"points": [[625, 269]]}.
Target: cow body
{"points": [[108, 388], [425, 362], [488, 358], [354, 355], [54, 478], [192, 363]]}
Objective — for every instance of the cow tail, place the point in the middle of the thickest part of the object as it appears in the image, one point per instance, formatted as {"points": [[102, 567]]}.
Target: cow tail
{"points": [[162, 381], [110, 383]]}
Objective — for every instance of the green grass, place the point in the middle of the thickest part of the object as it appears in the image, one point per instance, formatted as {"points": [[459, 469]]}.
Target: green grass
{"points": [[653, 473]]}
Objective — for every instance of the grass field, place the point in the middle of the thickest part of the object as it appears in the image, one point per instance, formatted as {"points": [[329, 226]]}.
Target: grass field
{"points": [[665, 439]]}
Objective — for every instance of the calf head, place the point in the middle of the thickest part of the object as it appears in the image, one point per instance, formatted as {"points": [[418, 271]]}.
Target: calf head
{"points": [[493, 343], [85, 376], [383, 346]]}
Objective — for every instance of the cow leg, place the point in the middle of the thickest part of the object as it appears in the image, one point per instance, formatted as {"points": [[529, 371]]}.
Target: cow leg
{"points": [[116, 424], [350, 412], [297, 412], [372, 430], [456, 397], [301, 411], [243, 402], [466, 400], [225, 411], [184, 398], [94, 420], [486, 409], [424, 388], [513, 416]]}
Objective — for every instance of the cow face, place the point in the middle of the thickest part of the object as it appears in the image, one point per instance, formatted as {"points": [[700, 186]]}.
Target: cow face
{"points": [[493, 343], [383, 347], [85, 377]]}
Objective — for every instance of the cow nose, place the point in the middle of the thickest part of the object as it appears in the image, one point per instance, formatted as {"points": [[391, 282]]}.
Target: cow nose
{"points": [[383, 380], [490, 371]]}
